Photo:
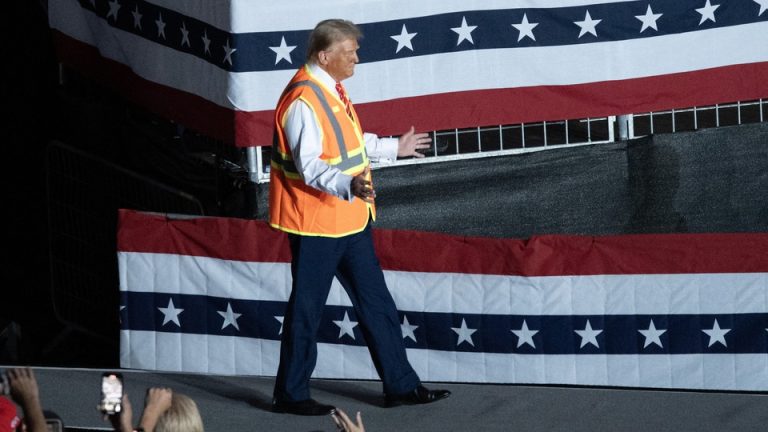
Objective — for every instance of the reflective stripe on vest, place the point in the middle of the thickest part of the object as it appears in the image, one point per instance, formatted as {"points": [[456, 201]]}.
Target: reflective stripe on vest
{"points": [[345, 162], [283, 162]]}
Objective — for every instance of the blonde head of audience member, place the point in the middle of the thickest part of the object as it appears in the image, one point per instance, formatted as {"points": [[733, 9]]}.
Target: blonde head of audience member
{"points": [[182, 416]]}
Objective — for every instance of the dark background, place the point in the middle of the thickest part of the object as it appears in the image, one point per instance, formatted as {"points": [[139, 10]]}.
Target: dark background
{"points": [[32, 116], [75, 152]]}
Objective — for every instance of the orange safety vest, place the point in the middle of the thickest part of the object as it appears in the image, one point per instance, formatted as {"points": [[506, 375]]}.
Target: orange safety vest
{"points": [[294, 206]]}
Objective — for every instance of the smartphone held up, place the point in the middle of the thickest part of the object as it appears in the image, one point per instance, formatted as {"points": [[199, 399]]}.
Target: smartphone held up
{"points": [[111, 393]]}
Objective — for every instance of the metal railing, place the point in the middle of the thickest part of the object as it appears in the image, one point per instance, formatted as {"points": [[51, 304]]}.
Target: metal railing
{"points": [[518, 138], [84, 194], [488, 141], [694, 118]]}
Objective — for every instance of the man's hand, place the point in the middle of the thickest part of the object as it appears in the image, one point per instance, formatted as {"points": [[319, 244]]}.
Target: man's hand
{"points": [[410, 143], [361, 186]]}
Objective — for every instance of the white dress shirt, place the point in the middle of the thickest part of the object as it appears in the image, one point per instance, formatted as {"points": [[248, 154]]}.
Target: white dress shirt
{"points": [[304, 139]]}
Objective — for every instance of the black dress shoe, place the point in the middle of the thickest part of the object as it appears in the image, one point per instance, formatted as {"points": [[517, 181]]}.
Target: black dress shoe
{"points": [[419, 395], [309, 407]]}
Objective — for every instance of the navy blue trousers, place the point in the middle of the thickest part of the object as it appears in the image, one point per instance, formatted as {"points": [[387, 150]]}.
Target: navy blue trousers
{"points": [[351, 259]]}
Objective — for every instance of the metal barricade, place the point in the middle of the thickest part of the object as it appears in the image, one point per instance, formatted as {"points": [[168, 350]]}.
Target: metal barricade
{"points": [[84, 195]]}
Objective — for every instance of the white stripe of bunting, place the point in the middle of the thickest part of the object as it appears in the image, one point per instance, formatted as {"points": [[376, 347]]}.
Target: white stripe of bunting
{"points": [[461, 293], [245, 356]]}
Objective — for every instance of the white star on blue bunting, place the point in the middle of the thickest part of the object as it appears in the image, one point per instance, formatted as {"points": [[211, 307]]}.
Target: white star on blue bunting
{"points": [[171, 313], [404, 39], [281, 319], [525, 28], [763, 6], [228, 53], [136, 18], [716, 334], [652, 335], [464, 332], [588, 335], [346, 327], [464, 32], [184, 34], [649, 19], [407, 329], [589, 25], [283, 52], [206, 42], [160, 26], [707, 12], [114, 6], [525, 335], [230, 317]]}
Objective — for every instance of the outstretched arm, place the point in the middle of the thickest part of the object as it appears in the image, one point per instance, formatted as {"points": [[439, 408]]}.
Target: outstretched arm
{"points": [[410, 143]]}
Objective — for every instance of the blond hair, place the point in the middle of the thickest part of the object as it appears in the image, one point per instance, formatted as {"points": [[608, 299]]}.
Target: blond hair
{"points": [[182, 416], [329, 31]]}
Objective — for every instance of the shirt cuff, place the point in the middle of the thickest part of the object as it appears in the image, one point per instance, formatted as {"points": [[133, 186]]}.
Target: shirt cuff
{"points": [[385, 151], [344, 187]]}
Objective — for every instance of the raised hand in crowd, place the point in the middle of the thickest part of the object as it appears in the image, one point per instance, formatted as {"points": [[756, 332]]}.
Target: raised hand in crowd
{"points": [[164, 411], [123, 421], [157, 402], [345, 424], [25, 392]]}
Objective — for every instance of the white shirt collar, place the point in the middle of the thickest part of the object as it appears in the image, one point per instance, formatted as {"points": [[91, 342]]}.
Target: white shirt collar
{"points": [[323, 76]]}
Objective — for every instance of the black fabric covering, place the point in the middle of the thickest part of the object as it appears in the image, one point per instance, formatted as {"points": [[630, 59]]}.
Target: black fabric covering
{"points": [[711, 180]]}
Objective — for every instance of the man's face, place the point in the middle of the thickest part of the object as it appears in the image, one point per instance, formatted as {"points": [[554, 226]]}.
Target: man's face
{"points": [[339, 59]]}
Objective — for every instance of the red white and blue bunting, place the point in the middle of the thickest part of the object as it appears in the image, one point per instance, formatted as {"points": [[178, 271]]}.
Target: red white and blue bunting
{"points": [[666, 311]]}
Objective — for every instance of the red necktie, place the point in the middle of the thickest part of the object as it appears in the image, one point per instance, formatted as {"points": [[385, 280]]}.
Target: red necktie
{"points": [[343, 97]]}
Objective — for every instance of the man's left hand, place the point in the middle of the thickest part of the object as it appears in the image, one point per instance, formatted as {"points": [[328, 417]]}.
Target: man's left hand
{"points": [[361, 187], [410, 143]]}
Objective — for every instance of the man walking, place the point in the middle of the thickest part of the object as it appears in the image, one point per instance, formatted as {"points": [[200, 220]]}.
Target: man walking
{"points": [[321, 195]]}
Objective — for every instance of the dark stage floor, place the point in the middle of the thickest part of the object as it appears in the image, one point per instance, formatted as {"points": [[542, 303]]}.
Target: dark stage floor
{"points": [[242, 404]]}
